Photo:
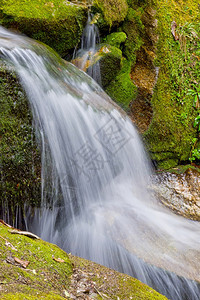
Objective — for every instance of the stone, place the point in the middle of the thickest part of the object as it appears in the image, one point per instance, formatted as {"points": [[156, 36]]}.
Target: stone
{"points": [[180, 192]]}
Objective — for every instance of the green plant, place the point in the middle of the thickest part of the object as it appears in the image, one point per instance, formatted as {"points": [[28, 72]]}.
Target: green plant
{"points": [[195, 155], [195, 152], [197, 123], [184, 33], [195, 92]]}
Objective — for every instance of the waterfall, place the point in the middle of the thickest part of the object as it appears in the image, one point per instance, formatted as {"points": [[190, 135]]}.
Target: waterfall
{"points": [[96, 177], [86, 57]]}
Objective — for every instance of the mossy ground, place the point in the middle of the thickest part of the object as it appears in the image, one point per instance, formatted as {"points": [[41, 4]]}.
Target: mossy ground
{"points": [[45, 278]]}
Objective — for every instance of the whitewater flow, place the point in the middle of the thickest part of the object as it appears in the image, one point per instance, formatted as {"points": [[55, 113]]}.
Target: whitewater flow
{"points": [[86, 58], [96, 177]]}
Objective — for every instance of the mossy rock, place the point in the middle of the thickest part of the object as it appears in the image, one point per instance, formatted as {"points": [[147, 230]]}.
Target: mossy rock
{"points": [[133, 28], [43, 278], [20, 158], [113, 11], [171, 132], [52, 274], [110, 63], [122, 90], [57, 24], [169, 138], [116, 39]]}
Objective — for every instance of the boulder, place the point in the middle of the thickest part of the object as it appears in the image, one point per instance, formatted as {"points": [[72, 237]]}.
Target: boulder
{"points": [[180, 191], [58, 24]]}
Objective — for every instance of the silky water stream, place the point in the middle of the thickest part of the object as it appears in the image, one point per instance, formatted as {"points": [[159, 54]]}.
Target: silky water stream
{"points": [[95, 200], [87, 58]]}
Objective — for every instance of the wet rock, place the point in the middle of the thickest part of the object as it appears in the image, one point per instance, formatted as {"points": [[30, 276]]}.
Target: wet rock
{"points": [[180, 192]]}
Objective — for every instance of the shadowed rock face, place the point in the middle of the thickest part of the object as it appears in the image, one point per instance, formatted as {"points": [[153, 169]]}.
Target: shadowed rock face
{"points": [[180, 192], [20, 165]]}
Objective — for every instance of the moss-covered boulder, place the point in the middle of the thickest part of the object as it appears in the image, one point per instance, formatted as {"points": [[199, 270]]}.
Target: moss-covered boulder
{"points": [[58, 24], [122, 89], [116, 39], [34, 269], [20, 158], [113, 11], [110, 63], [171, 135]]}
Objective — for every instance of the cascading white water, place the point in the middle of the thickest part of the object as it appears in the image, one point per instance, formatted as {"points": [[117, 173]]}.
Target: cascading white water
{"points": [[86, 56], [95, 177]]}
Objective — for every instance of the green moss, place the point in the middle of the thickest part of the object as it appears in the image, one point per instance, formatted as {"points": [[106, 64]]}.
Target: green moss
{"points": [[110, 63], [58, 24], [167, 163], [139, 3], [116, 39], [180, 169], [121, 89], [44, 277], [114, 11], [133, 27], [20, 159], [171, 129], [22, 296], [166, 130]]}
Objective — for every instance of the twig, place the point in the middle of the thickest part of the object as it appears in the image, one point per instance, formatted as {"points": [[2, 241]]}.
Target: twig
{"points": [[26, 233]]}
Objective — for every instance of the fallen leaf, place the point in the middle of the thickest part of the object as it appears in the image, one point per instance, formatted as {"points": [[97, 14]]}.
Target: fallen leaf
{"points": [[58, 260], [66, 293], [23, 263], [8, 244], [10, 260], [173, 30]]}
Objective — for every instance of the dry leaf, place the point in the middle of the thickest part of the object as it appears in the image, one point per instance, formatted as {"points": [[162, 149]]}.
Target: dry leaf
{"points": [[8, 244], [173, 30], [10, 260], [66, 293], [58, 260], [23, 263]]}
